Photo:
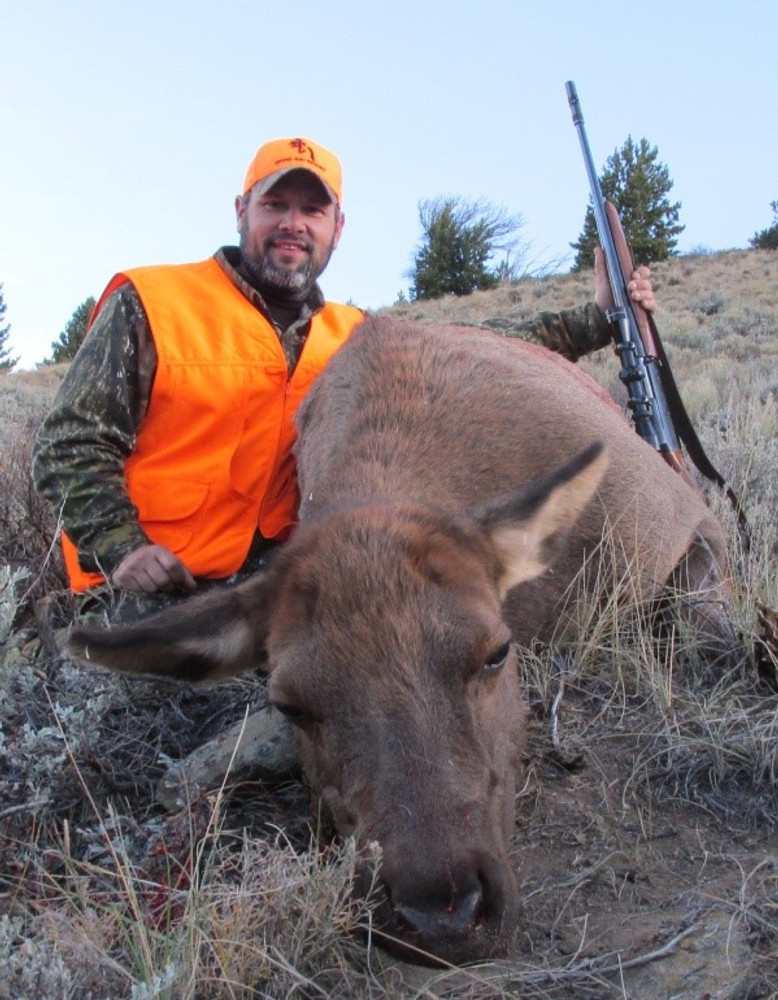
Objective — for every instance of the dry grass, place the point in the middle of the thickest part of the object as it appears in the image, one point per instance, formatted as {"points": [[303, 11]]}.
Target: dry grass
{"points": [[650, 798], [27, 525], [231, 918]]}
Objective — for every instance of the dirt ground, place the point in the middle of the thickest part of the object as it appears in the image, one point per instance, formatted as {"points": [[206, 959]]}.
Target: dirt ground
{"points": [[660, 893]]}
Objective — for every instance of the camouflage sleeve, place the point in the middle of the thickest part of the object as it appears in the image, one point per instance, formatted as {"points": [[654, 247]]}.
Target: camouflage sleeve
{"points": [[571, 332], [82, 444]]}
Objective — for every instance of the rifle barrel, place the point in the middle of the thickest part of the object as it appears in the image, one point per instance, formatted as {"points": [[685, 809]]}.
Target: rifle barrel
{"points": [[618, 286]]}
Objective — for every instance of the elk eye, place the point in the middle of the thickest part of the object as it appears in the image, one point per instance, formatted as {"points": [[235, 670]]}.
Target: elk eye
{"points": [[496, 660]]}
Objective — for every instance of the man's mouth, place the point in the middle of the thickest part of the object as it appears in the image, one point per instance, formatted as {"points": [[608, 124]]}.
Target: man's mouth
{"points": [[290, 247]]}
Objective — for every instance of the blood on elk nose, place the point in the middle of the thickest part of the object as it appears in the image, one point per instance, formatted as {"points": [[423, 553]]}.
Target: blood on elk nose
{"points": [[432, 922]]}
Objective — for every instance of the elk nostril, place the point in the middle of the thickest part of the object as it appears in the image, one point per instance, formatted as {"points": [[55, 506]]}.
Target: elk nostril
{"points": [[467, 910], [462, 914]]}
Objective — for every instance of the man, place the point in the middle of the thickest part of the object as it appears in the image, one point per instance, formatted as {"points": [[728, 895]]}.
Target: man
{"points": [[168, 450]]}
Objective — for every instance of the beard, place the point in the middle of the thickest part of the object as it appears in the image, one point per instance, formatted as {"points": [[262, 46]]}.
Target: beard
{"points": [[297, 281]]}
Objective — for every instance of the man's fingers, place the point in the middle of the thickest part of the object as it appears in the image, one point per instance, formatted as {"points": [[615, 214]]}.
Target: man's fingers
{"points": [[639, 285], [178, 574], [153, 568], [640, 288]]}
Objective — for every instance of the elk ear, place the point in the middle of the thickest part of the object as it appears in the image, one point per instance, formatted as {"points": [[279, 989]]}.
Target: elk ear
{"points": [[205, 638], [524, 524]]}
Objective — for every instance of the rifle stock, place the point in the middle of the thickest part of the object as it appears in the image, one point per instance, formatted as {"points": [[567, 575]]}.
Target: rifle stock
{"points": [[627, 265], [670, 448]]}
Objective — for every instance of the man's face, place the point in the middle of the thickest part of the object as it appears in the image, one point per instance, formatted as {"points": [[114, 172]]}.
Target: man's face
{"points": [[288, 234]]}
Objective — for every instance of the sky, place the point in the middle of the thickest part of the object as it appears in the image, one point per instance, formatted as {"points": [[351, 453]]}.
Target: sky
{"points": [[125, 129]]}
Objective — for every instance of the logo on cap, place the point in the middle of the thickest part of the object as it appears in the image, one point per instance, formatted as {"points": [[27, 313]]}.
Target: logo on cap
{"points": [[302, 147]]}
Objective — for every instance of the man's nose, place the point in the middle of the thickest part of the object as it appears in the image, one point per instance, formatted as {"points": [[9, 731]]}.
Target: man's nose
{"points": [[292, 220]]}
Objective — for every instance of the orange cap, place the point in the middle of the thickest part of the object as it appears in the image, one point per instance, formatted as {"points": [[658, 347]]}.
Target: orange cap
{"points": [[279, 156]]}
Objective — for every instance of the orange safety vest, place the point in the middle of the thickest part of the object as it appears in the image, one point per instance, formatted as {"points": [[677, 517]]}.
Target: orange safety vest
{"points": [[213, 458]]}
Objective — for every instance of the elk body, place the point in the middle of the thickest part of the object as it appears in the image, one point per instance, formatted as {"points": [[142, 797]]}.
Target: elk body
{"points": [[453, 484]]}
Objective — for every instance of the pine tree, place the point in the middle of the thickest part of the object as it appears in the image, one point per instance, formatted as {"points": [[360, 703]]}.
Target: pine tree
{"points": [[460, 240], [638, 185], [767, 239], [66, 346], [7, 363]]}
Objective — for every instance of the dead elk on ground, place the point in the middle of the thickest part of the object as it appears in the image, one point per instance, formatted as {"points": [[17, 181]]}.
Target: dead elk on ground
{"points": [[455, 488]]}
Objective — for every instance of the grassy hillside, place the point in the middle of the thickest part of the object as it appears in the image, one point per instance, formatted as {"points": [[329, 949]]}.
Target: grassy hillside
{"points": [[647, 826], [717, 315]]}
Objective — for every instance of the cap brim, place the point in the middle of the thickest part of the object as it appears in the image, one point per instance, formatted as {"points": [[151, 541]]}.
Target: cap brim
{"points": [[263, 186]]}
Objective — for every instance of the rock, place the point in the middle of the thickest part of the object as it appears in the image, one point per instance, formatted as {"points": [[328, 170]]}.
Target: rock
{"points": [[259, 747]]}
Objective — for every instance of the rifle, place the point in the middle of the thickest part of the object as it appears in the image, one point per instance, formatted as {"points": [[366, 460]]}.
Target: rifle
{"points": [[657, 409]]}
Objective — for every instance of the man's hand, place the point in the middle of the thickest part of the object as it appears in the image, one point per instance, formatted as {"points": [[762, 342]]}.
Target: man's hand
{"points": [[152, 568], [639, 286]]}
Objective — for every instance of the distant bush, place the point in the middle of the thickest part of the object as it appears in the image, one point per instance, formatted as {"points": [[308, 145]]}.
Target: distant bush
{"points": [[753, 325], [28, 527], [460, 246], [709, 304], [693, 338], [6, 361], [767, 239], [66, 346]]}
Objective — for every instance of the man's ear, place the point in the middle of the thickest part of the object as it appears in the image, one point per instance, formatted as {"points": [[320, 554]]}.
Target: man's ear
{"points": [[241, 204], [338, 229]]}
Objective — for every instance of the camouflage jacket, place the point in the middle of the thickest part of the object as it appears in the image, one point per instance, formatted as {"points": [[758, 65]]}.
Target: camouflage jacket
{"points": [[572, 333], [82, 445]]}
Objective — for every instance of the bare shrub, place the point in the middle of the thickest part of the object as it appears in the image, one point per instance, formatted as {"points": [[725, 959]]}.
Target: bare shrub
{"points": [[709, 305], [28, 526]]}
